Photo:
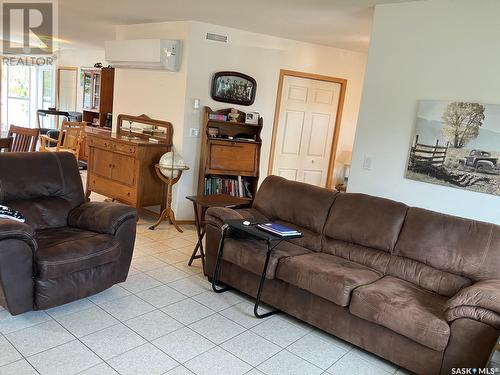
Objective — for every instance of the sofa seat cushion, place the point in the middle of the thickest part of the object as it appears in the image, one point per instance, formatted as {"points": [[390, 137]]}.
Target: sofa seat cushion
{"points": [[325, 275], [65, 250], [404, 308], [251, 254]]}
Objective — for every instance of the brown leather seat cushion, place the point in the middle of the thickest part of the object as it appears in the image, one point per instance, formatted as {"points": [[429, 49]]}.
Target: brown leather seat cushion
{"points": [[65, 250], [251, 254], [404, 308], [325, 275]]}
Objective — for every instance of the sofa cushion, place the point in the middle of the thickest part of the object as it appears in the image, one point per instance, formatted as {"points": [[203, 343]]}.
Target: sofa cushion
{"points": [[365, 220], [403, 308], [65, 250], [325, 275], [310, 239], [251, 254], [441, 282], [252, 214], [367, 256], [461, 246], [294, 202]]}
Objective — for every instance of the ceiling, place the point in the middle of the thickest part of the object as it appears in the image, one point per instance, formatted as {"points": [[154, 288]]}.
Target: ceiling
{"points": [[338, 23]]}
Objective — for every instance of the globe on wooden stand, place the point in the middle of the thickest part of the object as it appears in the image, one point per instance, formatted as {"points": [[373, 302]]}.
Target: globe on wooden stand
{"points": [[169, 170]]}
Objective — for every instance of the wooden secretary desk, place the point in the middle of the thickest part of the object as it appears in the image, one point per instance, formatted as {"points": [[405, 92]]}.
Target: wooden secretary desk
{"points": [[121, 166]]}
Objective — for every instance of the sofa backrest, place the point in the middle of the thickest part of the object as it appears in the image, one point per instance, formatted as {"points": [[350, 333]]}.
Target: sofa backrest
{"points": [[44, 187], [363, 229], [366, 220], [297, 204], [463, 247], [437, 252]]}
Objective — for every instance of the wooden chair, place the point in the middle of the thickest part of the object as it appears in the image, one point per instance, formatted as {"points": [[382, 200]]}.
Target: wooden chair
{"points": [[24, 139], [69, 140], [5, 144]]}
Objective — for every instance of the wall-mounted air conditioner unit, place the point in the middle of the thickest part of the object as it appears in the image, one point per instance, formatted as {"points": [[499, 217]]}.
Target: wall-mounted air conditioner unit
{"points": [[158, 54]]}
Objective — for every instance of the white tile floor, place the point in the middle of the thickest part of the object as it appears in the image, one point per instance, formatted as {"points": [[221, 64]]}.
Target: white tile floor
{"points": [[166, 320]]}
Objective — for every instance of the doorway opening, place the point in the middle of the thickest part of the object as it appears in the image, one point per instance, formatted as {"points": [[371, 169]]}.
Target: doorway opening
{"points": [[306, 127]]}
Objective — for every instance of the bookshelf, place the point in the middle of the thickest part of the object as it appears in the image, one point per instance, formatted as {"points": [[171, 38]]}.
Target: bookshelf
{"points": [[229, 162]]}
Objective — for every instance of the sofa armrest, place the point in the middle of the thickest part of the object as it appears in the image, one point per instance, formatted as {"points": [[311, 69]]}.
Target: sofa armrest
{"points": [[101, 217], [480, 301], [217, 215], [12, 229]]}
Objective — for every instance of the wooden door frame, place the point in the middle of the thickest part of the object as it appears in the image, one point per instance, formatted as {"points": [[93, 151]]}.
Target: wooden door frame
{"points": [[338, 119]]}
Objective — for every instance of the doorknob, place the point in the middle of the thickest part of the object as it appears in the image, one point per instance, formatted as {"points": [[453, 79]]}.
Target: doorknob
{"points": [[312, 161]]}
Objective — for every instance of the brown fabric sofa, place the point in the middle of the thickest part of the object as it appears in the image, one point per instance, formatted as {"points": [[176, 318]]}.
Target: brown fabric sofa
{"points": [[418, 288], [67, 249]]}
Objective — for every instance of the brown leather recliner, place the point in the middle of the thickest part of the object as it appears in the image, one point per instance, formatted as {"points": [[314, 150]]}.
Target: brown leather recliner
{"points": [[418, 288], [67, 249]]}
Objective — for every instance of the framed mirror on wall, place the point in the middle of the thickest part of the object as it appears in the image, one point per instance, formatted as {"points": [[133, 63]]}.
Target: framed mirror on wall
{"points": [[67, 88]]}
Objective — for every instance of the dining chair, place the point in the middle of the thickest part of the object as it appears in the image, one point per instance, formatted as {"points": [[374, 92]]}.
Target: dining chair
{"points": [[69, 140], [23, 139], [5, 144]]}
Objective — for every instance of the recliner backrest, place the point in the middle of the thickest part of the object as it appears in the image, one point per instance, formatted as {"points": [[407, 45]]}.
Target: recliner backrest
{"points": [[44, 187]]}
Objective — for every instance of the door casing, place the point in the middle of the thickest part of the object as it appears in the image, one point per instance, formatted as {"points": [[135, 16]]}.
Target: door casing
{"points": [[338, 119]]}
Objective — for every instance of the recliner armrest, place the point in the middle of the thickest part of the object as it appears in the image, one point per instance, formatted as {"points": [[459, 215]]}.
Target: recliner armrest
{"points": [[480, 301], [217, 215], [12, 229], [100, 217]]}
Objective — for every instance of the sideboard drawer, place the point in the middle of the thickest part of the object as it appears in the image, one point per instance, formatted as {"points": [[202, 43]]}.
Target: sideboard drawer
{"points": [[127, 149], [233, 156], [112, 189], [99, 142]]}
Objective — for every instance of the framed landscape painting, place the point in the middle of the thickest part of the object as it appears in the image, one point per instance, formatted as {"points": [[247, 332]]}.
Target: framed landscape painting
{"points": [[457, 144]]}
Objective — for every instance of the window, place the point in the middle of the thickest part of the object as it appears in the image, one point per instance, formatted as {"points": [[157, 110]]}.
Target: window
{"points": [[25, 89]]}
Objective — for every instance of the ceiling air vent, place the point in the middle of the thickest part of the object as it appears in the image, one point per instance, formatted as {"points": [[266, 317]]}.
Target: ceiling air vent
{"points": [[217, 37]]}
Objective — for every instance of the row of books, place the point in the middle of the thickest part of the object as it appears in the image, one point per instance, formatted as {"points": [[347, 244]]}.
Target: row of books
{"points": [[234, 186], [217, 117]]}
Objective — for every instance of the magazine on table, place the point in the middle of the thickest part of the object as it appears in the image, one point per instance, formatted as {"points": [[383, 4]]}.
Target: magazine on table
{"points": [[278, 229]]}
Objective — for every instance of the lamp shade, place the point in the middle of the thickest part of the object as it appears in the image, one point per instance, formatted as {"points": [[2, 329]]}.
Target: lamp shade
{"points": [[345, 157]]}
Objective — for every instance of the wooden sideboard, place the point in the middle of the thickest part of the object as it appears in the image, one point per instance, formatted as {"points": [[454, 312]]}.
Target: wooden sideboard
{"points": [[123, 169]]}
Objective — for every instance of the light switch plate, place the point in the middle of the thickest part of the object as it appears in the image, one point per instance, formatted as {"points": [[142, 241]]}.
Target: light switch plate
{"points": [[194, 132], [367, 163], [196, 103]]}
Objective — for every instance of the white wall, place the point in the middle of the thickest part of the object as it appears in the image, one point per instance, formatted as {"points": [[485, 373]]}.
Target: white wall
{"points": [[441, 49], [80, 58], [158, 93], [262, 57]]}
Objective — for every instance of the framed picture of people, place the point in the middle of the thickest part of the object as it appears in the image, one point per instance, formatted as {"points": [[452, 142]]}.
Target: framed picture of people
{"points": [[233, 87]]}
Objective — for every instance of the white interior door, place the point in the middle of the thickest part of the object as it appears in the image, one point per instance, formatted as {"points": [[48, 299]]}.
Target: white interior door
{"points": [[67, 90], [306, 125]]}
